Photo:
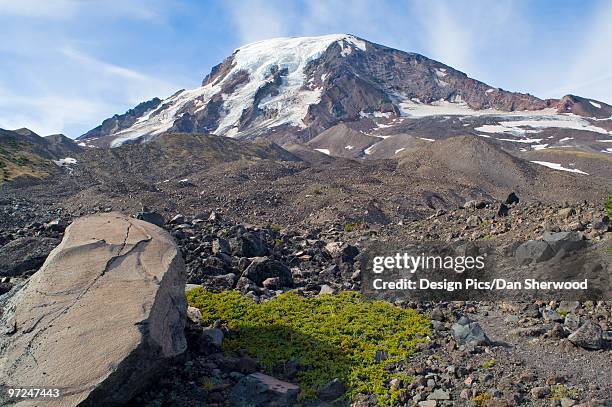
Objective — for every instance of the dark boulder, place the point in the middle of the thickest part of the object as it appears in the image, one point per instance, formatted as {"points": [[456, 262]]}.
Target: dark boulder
{"points": [[152, 217], [512, 199], [533, 251], [262, 268], [568, 241], [465, 331]]}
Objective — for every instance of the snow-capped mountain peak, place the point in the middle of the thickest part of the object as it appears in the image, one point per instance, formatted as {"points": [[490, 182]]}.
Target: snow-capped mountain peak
{"points": [[295, 88]]}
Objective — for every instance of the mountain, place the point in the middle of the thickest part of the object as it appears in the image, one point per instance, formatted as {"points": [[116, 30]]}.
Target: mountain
{"points": [[24, 154], [293, 89]]}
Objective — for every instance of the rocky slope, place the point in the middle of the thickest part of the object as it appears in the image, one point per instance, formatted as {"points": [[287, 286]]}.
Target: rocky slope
{"points": [[292, 89], [538, 353], [25, 156]]}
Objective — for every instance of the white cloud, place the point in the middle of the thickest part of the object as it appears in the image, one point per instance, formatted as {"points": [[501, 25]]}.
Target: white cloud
{"points": [[588, 70], [56, 9], [68, 9], [258, 19]]}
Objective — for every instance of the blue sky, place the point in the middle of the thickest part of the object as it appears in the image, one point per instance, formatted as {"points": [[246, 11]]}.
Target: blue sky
{"points": [[67, 64]]}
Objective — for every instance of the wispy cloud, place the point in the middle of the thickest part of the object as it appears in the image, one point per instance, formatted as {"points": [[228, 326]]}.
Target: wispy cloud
{"points": [[69, 9], [259, 19]]}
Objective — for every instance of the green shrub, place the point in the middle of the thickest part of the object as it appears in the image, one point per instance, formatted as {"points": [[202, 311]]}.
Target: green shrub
{"points": [[561, 391], [349, 227], [331, 336], [481, 399], [608, 206], [488, 364]]}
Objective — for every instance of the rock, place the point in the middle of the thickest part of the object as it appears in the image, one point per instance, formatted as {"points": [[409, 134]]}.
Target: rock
{"points": [[331, 391], [214, 217], [568, 241], [111, 274], [465, 331], [177, 220], [325, 289], [474, 204], [474, 221], [533, 251], [262, 268], [249, 244], [572, 322], [502, 210], [25, 255], [540, 392], [194, 315], [566, 213], [214, 336], [428, 403], [567, 402], [258, 389], [271, 283], [151, 217], [512, 199], [550, 315], [341, 250], [439, 394], [221, 246], [55, 225], [222, 282], [588, 336], [437, 314]]}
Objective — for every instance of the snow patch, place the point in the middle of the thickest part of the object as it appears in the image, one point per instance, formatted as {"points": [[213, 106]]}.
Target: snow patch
{"points": [[597, 105], [65, 161], [323, 150], [349, 147], [528, 140], [399, 150], [559, 167], [427, 139]]}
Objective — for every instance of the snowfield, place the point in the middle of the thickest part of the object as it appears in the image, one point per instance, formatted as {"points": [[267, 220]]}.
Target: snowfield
{"points": [[559, 167], [258, 59]]}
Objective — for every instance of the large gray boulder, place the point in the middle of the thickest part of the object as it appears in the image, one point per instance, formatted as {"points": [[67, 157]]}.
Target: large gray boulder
{"points": [[465, 331], [589, 336], [100, 318], [568, 241], [533, 251], [262, 268]]}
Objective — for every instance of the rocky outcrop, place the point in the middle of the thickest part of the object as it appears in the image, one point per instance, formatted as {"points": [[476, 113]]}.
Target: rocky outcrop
{"points": [[122, 121], [101, 316]]}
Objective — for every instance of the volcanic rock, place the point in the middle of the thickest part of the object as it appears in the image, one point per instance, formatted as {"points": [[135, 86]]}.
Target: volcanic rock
{"points": [[111, 274]]}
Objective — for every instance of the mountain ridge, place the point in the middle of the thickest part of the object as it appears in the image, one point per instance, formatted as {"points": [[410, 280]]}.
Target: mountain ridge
{"points": [[292, 89]]}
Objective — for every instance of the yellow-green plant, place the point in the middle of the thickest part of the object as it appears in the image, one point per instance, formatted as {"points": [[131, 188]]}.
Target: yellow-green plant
{"points": [[331, 336]]}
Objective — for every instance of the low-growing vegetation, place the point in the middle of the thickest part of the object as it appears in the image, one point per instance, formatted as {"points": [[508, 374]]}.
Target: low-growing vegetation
{"points": [[331, 336], [488, 364], [608, 206]]}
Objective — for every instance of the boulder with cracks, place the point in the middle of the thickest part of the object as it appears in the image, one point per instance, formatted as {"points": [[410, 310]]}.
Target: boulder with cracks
{"points": [[101, 317]]}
